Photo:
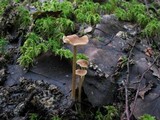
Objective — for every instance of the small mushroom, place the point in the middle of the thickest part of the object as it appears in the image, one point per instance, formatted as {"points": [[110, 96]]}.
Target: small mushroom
{"points": [[82, 74], [75, 41], [82, 63]]}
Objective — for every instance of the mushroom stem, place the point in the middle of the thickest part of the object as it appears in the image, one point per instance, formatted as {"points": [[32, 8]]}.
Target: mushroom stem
{"points": [[80, 88], [73, 73]]}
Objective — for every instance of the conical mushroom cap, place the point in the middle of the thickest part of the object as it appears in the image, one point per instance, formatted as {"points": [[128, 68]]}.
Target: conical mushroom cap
{"points": [[81, 72], [75, 40], [82, 63]]}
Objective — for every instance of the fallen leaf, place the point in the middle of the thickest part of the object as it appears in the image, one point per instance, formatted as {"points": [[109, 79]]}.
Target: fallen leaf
{"points": [[155, 69], [144, 90], [148, 52]]}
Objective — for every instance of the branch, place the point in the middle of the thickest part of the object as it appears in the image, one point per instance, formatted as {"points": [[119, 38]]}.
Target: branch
{"points": [[127, 81]]}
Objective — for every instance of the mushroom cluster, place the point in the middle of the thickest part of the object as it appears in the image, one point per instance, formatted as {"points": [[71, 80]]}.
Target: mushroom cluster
{"points": [[81, 73], [76, 41]]}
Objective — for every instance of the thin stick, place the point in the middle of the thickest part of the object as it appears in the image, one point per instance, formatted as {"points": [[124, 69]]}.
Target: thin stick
{"points": [[126, 83]]}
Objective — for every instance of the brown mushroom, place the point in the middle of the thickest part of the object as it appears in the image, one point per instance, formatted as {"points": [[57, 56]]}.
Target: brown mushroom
{"points": [[82, 63], [81, 74], [75, 41]]}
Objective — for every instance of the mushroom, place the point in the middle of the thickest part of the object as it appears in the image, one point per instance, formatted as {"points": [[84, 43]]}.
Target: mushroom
{"points": [[82, 74], [75, 41], [82, 63]]}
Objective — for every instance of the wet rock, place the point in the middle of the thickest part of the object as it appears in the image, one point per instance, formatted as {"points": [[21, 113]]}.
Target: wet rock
{"points": [[131, 29], [53, 70], [15, 72], [99, 92], [108, 26]]}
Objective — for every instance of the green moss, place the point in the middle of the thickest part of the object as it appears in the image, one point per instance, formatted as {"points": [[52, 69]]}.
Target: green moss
{"points": [[111, 113], [137, 12], [147, 117], [3, 5], [54, 5], [66, 53], [152, 28], [110, 6], [87, 12], [33, 46], [3, 44], [24, 18]]}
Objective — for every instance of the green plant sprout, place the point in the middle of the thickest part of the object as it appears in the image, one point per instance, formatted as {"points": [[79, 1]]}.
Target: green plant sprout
{"points": [[3, 4], [64, 53], [147, 117], [33, 116], [112, 112], [56, 118], [3, 44]]}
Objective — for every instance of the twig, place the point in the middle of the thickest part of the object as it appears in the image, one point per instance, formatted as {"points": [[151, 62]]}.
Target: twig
{"points": [[110, 40], [127, 81], [138, 89], [101, 30]]}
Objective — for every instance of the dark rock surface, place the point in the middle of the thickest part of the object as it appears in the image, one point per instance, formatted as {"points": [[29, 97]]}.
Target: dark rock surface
{"points": [[15, 72], [56, 70]]}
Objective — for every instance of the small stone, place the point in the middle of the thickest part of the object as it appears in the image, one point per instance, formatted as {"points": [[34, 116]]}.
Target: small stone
{"points": [[31, 87], [19, 108], [2, 72], [40, 82], [88, 30], [52, 87], [128, 27]]}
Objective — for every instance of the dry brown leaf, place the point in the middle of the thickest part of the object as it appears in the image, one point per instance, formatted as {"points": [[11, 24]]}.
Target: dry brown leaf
{"points": [[148, 52], [145, 89], [155, 69]]}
